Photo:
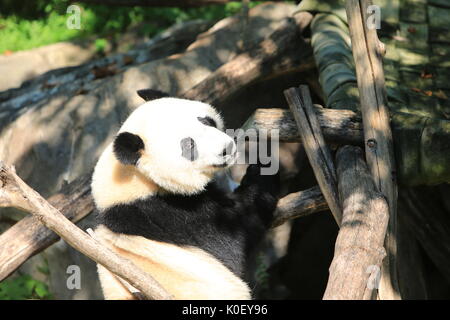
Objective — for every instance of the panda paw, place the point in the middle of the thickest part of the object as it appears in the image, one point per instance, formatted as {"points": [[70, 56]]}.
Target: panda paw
{"points": [[264, 182]]}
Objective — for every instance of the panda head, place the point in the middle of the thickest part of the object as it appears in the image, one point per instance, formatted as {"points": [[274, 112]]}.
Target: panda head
{"points": [[176, 144]]}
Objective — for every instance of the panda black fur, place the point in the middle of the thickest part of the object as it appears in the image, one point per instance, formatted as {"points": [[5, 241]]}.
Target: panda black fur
{"points": [[194, 239]]}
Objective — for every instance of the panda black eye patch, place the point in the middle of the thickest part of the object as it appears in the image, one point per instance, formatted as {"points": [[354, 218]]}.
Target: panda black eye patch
{"points": [[207, 121], [189, 149], [126, 148]]}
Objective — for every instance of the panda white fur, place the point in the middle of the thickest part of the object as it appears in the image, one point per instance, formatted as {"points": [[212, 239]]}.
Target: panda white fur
{"points": [[159, 205]]}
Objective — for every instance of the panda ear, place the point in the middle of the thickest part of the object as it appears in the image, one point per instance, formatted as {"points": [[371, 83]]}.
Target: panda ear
{"points": [[127, 147], [150, 94]]}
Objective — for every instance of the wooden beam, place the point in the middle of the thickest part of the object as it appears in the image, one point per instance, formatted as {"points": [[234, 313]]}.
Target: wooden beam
{"points": [[299, 204], [14, 192], [29, 236], [338, 126], [319, 156], [359, 247], [367, 53]]}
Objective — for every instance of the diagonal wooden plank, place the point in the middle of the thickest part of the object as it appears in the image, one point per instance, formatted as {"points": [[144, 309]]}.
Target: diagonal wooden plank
{"points": [[315, 147], [359, 248]]}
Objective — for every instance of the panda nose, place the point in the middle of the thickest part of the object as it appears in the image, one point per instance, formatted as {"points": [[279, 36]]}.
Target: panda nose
{"points": [[229, 149]]}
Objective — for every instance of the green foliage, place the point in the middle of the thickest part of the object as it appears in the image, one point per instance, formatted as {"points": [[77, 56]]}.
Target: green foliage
{"points": [[22, 28], [100, 45], [19, 34], [23, 287]]}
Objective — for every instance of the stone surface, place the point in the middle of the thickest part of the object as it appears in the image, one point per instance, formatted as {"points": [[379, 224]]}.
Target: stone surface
{"points": [[25, 65]]}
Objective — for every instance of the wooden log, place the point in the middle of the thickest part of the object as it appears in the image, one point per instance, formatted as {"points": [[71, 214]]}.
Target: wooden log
{"points": [[338, 126], [283, 51], [300, 102], [16, 193], [299, 204], [359, 246], [29, 236], [367, 53]]}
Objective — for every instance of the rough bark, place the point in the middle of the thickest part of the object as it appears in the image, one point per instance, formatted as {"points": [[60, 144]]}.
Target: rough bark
{"points": [[319, 156], [299, 204], [16, 193], [367, 53], [359, 246], [338, 126], [29, 236]]}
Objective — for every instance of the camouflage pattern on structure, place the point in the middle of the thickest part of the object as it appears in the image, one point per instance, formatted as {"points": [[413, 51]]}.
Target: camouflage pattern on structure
{"points": [[417, 70]]}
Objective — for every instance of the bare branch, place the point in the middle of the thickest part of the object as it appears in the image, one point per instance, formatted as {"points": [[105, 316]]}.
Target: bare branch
{"points": [[338, 126], [16, 193], [317, 151], [299, 204], [29, 236], [367, 53]]}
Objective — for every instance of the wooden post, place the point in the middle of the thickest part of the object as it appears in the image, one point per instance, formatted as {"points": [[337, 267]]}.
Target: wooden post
{"points": [[299, 101], [367, 53], [359, 251]]}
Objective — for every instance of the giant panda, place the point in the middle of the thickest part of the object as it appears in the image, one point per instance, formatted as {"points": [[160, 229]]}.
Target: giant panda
{"points": [[159, 203]]}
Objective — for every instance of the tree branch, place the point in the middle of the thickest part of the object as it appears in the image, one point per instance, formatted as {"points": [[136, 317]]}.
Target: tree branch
{"points": [[359, 246], [367, 53], [319, 156], [16, 193], [299, 204], [29, 236], [338, 126]]}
